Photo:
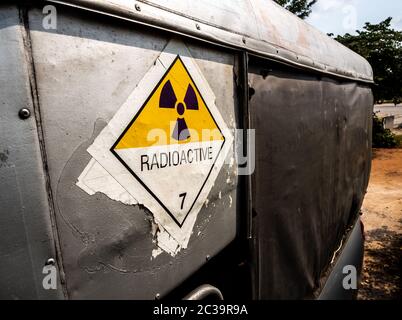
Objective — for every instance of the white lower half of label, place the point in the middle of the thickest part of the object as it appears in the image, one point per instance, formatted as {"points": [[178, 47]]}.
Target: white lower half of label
{"points": [[173, 174]]}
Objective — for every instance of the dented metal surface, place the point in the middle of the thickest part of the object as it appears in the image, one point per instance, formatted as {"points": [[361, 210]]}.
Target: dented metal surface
{"points": [[173, 193], [109, 247], [82, 72], [259, 26]]}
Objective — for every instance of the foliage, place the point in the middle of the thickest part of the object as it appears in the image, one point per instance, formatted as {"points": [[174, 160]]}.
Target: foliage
{"points": [[382, 138], [381, 45], [398, 139], [301, 8]]}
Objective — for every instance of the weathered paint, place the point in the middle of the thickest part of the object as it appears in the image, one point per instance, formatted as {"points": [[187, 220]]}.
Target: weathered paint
{"points": [[107, 245], [261, 27]]}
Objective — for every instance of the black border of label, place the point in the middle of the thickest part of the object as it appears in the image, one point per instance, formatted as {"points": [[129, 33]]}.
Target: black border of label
{"points": [[135, 118]]}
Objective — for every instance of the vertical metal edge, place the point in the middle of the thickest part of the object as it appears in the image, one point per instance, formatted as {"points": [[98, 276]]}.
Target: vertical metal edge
{"points": [[246, 218], [246, 149], [252, 236], [25, 31]]}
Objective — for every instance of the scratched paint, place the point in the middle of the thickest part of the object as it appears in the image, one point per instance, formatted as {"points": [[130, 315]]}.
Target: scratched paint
{"points": [[130, 169]]}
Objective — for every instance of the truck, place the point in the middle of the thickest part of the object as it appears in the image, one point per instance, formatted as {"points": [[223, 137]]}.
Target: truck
{"points": [[159, 149]]}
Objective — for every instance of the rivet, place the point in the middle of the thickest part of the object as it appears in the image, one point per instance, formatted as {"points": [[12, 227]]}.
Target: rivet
{"points": [[24, 113], [197, 26], [137, 7], [50, 262], [157, 296], [208, 257]]}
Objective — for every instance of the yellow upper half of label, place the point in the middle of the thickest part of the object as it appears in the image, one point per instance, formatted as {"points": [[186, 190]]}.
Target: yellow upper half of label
{"points": [[157, 125]]}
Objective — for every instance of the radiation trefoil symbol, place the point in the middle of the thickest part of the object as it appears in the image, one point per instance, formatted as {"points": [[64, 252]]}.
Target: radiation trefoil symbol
{"points": [[168, 100], [173, 170]]}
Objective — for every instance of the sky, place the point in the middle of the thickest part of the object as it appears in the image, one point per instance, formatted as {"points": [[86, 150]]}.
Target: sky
{"points": [[345, 16]]}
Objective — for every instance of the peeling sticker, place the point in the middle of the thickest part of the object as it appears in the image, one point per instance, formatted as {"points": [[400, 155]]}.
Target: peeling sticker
{"points": [[231, 162], [167, 243], [156, 252], [232, 122], [95, 179], [163, 148]]}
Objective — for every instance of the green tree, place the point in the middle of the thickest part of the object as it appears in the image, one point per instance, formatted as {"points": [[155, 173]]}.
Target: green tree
{"points": [[301, 8], [381, 45], [382, 138]]}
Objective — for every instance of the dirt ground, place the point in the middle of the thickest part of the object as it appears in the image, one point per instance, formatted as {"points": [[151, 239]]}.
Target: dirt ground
{"points": [[382, 217]]}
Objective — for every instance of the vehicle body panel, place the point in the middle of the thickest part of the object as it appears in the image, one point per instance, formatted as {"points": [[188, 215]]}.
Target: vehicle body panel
{"points": [[26, 228], [279, 228]]}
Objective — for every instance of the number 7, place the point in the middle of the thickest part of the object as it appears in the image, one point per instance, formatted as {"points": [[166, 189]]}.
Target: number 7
{"points": [[182, 195]]}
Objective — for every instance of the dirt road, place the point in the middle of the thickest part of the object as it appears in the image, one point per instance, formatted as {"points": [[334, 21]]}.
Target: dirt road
{"points": [[382, 219]]}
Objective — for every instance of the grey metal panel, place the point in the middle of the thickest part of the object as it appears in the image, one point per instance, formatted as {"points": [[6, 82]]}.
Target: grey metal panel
{"points": [[313, 153], [259, 26], [85, 71], [26, 240], [229, 15]]}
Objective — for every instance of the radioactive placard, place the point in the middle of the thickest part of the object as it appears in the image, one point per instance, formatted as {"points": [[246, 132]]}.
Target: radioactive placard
{"points": [[166, 144], [172, 140]]}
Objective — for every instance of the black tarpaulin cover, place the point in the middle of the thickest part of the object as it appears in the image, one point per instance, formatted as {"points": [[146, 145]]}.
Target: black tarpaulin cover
{"points": [[313, 154]]}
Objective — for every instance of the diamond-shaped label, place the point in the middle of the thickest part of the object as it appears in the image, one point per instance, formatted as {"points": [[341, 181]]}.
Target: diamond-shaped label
{"points": [[164, 147], [173, 139]]}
